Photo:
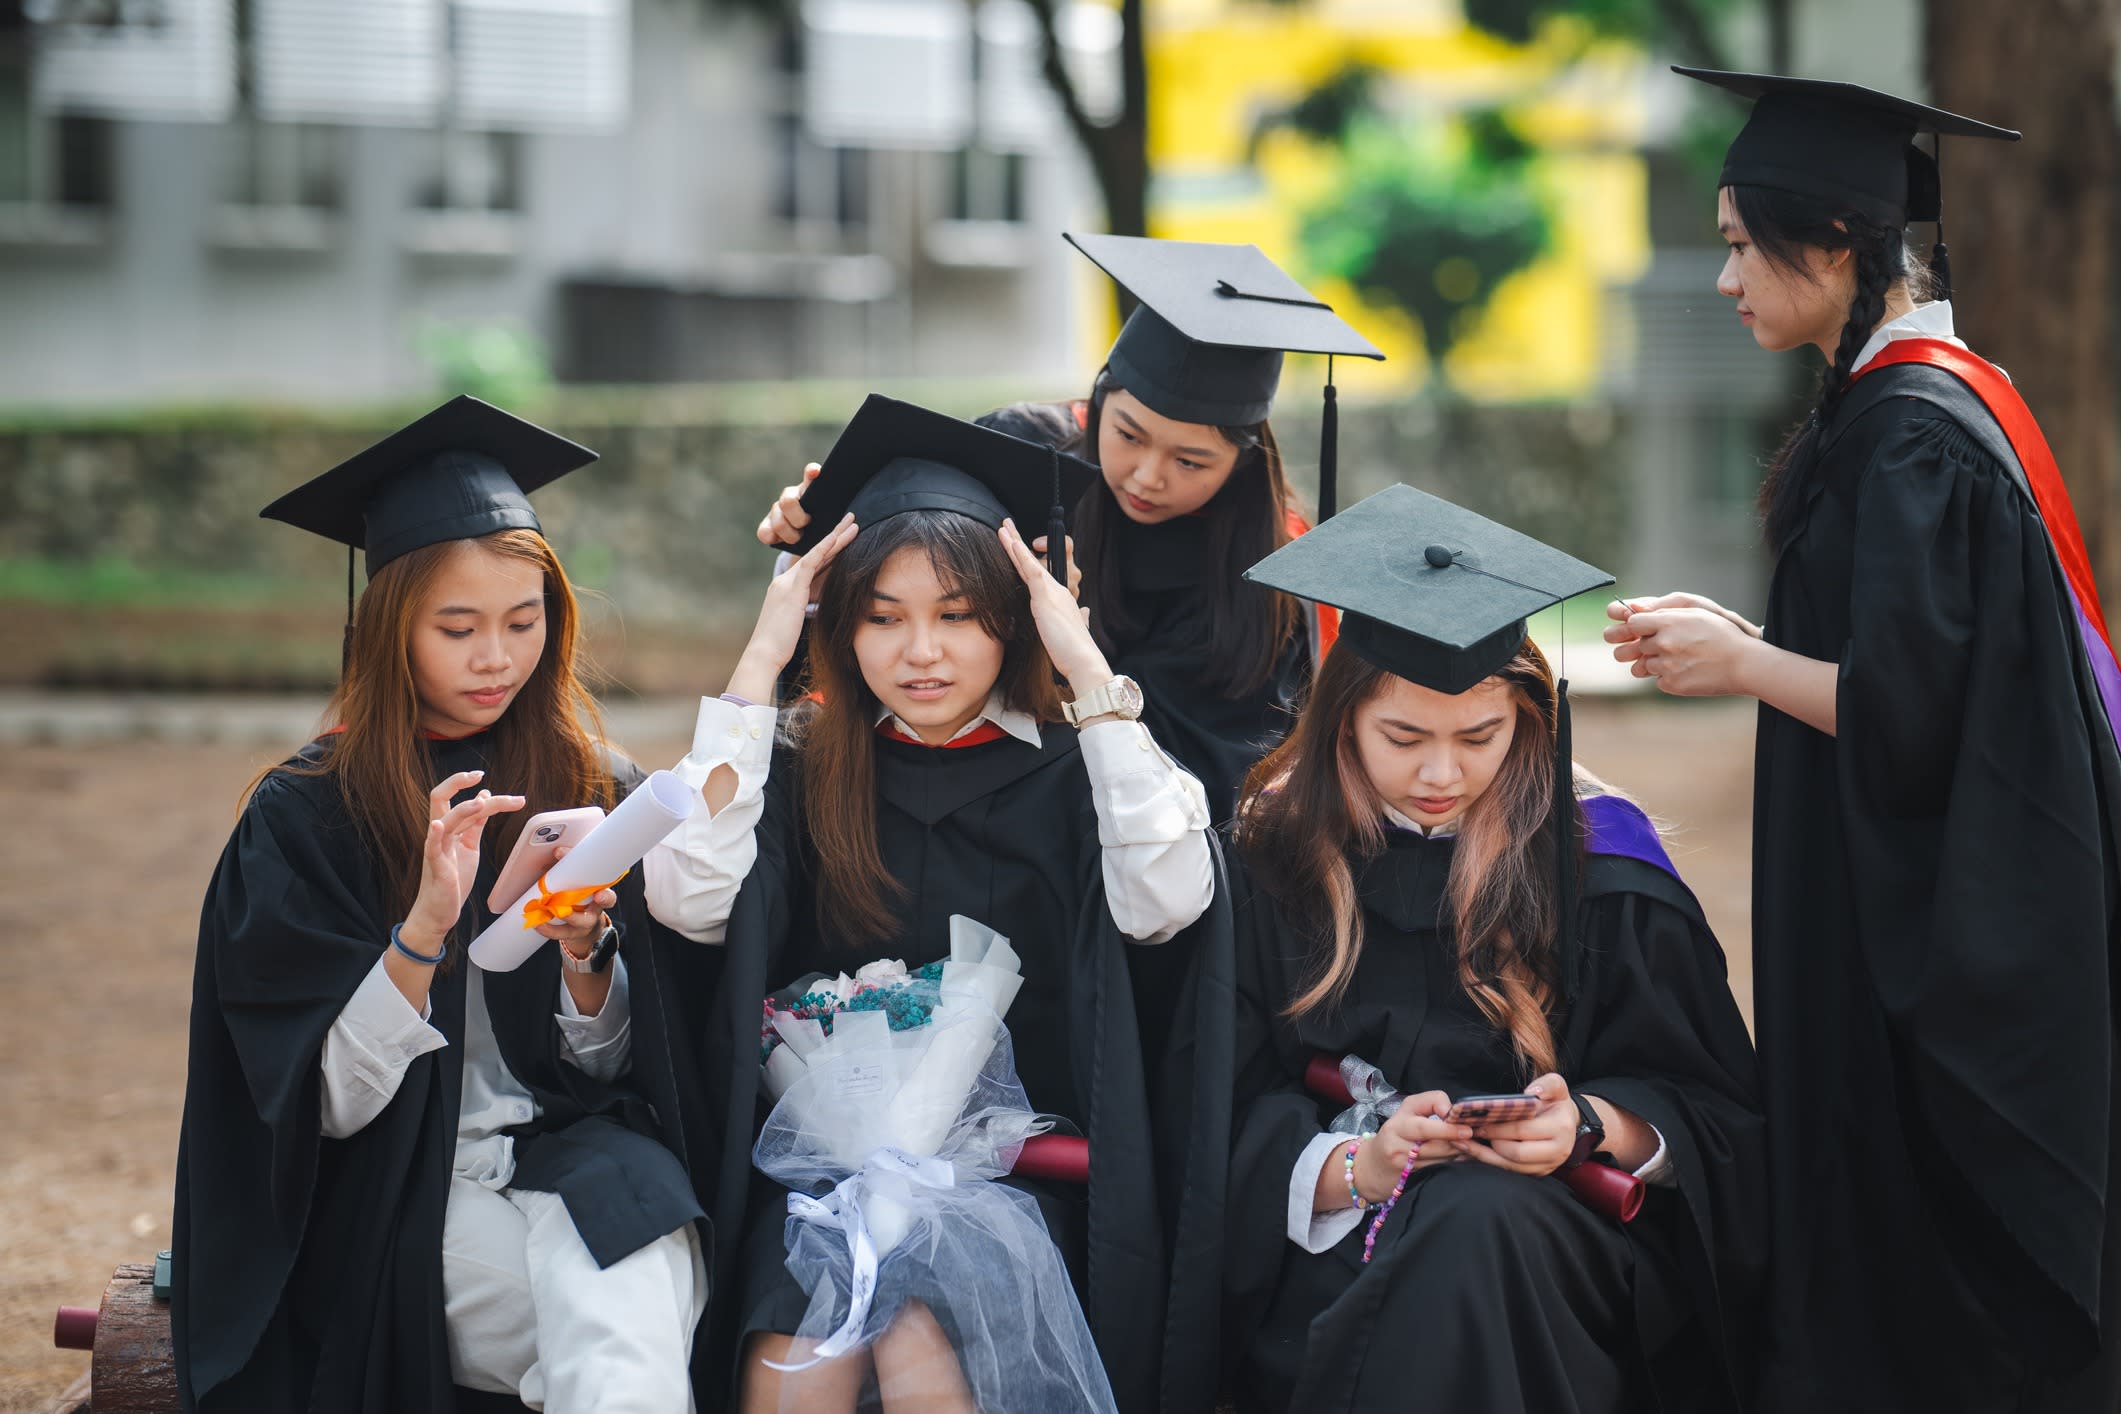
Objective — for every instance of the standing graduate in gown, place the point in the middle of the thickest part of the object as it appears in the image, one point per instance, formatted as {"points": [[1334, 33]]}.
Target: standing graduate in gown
{"points": [[1423, 887], [1194, 491], [399, 1173], [939, 773], [1934, 828]]}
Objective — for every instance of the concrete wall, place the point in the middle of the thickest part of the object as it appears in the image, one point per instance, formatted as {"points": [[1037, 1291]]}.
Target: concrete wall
{"points": [[682, 201]]}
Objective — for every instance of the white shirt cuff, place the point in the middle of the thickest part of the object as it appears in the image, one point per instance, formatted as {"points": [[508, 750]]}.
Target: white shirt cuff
{"points": [[376, 1036], [1657, 1169], [1315, 1231], [726, 734]]}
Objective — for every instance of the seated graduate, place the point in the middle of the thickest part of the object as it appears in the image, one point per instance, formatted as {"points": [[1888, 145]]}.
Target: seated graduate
{"points": [[1409, 895], [936, 771], [398, 1171], [1194, 490]]}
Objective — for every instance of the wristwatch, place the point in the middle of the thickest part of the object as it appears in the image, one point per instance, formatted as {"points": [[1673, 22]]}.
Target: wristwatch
{"points": [[1590, 1133], [1120, 697], [598, 957]]}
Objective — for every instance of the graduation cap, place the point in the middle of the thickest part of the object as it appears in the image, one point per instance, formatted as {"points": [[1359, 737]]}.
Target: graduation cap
{"points": [[466, 469], [1206, 342], [1438, 595], [1429, 591], [1844, 143], [895, 457]]}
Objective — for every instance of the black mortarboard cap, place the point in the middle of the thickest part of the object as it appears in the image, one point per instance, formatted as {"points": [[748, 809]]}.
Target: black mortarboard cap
{"points": [[1429, 591], [1843, 143], [466, 469], [1206, 343], [895, 457]]}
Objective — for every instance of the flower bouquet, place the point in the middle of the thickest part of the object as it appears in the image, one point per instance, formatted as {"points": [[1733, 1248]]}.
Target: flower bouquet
{"points": [[896, 1105]]}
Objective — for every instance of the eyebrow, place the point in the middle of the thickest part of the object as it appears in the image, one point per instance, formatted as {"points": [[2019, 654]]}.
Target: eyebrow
{"points": [[881, 597], [1724, 228], [1424, 731], [1140, 431], [531, 603]]}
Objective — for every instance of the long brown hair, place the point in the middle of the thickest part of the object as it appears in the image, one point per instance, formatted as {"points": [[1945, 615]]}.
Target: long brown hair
{"points": [[855, 893], [545, 746], [1249, 625], [1309, 810]]}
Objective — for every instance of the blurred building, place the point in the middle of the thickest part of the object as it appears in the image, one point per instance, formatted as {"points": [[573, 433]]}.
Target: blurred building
{"points": [[265, 200]]}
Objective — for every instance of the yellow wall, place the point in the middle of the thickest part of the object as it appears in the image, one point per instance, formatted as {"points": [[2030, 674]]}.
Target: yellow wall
{"points": [[1216, 65]]}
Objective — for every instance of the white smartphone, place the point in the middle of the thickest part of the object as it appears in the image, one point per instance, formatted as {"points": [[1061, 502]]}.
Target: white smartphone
{"points": [[536, 849]]}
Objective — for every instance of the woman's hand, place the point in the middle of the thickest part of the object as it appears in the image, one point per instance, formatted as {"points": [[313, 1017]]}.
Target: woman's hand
{"points": [[782, 616], [578, 931], [1693, 647], [1417, 1122], [784, 524], [1063, 626], [449, 861], [1538, 1144]]}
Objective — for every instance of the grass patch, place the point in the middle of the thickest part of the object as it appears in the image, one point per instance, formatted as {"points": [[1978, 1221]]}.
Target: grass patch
{"points": [[111, 582]]}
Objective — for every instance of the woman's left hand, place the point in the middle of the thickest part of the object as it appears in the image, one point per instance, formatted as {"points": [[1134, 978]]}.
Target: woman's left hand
{"points": [[1063, 625], [578, 931], [1536, 1145]]}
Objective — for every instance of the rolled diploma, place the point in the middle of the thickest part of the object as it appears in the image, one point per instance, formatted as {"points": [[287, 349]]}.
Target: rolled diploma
{"points": [[657, 806]]}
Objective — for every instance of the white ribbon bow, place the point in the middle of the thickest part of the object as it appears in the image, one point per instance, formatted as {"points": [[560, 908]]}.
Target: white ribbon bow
{"points": [[842, 1208]]}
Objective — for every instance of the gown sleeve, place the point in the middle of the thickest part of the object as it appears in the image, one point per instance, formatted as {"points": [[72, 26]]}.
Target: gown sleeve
{"points": [[1968, 768], [1655, 1030]]}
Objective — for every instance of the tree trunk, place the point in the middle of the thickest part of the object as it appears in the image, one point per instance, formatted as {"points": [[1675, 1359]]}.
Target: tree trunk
{"points": [[2031, 224]]}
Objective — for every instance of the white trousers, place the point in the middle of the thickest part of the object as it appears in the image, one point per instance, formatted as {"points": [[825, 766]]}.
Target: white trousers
{"points": [[531, 1314]]}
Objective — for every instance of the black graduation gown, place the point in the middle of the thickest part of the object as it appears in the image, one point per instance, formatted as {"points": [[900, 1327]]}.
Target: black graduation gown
{"points": [[1164, 578], [308, 1271], [1489, 1290], [1006, 834], [1934, 905]]}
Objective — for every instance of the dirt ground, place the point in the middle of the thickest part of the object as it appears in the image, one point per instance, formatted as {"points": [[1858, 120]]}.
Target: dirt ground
{"points": [[109, 854]]}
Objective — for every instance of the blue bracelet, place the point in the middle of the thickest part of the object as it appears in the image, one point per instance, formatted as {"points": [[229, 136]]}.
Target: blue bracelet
{"points": [[420, 957]]}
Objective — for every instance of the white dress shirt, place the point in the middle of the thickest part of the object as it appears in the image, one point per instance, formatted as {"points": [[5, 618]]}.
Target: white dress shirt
{"points": [[1315, 1231], [1151, 821]]}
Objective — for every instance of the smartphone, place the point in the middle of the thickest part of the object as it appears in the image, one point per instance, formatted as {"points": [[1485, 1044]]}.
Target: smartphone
{"points": [[536, 849], [1478, 1110]]}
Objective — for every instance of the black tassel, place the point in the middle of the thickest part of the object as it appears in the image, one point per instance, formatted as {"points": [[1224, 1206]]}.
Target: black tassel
{"points": [[1329, 449], [346, 634], [1057, 526], [1941, 266]]}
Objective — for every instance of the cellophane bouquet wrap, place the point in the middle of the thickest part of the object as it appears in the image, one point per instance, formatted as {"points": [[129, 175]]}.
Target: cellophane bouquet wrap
{"points": [[896, 1107]]}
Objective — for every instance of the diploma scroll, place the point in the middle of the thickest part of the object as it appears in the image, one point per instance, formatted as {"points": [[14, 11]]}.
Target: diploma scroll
{"points": [[657, 806]]}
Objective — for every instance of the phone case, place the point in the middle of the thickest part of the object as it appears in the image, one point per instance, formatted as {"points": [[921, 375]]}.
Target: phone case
{"points": [[536, 848], [1493, 1109]]}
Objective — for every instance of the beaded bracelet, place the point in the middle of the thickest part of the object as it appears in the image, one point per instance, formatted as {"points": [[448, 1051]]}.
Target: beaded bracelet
{"points": [[1347, 1169], [1384, 1209]]}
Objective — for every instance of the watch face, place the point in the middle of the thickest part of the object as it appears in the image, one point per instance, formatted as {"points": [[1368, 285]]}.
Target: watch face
{"points": [[1127, 696]]}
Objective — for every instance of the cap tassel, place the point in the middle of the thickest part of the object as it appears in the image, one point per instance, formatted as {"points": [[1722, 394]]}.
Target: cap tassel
{"points": [[1057, 526], [1940, 253], [346, 634], [1328, 449]]}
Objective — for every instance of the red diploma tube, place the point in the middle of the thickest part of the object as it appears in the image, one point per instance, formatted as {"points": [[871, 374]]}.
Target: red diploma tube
{"points": [[1063, 1157]]}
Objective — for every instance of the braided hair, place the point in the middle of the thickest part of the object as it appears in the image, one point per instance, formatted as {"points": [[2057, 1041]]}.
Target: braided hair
{"points": [[1779, 224]]}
